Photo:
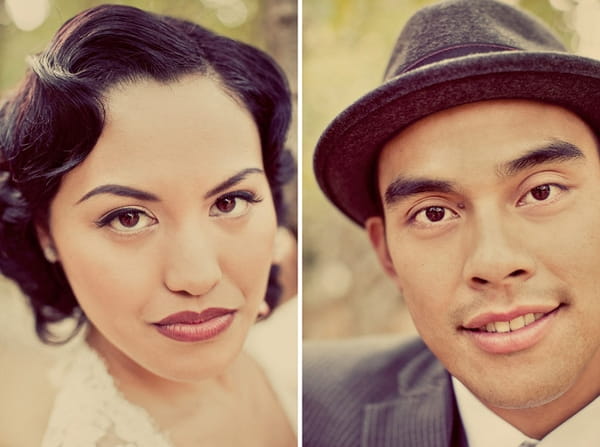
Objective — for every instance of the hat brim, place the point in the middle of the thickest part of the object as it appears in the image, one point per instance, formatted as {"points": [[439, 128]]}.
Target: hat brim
{"points": [[345, 159]]}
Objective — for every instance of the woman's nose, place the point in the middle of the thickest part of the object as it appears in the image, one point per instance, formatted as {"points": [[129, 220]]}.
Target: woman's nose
{"points": [[192, 265]]}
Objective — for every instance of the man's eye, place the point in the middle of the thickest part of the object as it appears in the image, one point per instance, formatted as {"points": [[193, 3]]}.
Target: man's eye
{"points": [[541, 193], [127, 220], [433, 215], [234, 204]]}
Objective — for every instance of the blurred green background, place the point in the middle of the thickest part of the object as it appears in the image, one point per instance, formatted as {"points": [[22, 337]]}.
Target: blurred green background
{"points": [[346, 48], [27, 25]]}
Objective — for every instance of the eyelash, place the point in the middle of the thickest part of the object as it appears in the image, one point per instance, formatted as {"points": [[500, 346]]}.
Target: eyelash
{"points": [[111, 216], [551, 199], [247, 196], [412, 218]]}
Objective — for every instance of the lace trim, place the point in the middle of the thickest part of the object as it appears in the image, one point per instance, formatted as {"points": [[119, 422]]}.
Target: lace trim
{"points": [[89, 410]]}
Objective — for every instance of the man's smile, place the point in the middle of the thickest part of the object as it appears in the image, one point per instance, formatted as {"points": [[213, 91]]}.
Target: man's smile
{"points": [[512, 325], [507, 322], [500, 335]]}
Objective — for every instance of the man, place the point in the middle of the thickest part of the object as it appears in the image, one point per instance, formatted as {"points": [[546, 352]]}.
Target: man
{"points": [[475, 171]]}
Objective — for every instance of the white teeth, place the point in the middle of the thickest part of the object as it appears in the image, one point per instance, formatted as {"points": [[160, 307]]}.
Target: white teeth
{"points": [[502, 326], [512, 325], [517, 323]]}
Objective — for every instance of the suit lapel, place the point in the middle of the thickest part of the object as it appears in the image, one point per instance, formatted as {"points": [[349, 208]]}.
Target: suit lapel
{"points": [[423, 413]]}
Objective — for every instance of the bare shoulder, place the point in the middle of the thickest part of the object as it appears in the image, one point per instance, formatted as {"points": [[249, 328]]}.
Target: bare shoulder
{"points": [[27, 394]]}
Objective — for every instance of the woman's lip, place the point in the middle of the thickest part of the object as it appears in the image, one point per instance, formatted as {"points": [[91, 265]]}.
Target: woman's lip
{"points": [[493, 317], [190, 317], [196, 330], [513, 341]]}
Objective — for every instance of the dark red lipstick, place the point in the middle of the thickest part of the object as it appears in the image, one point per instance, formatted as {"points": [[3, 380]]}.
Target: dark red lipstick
{"points": [[191, 326]]}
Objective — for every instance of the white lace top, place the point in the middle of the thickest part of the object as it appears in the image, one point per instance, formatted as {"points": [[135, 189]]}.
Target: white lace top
{"points": [[89, 410]]}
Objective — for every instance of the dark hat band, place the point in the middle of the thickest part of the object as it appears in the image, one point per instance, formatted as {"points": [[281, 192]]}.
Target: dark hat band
{"points": [[454, 52]]}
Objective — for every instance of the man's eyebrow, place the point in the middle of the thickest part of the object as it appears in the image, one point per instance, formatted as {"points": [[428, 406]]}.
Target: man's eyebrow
{"points": [[231, 181], [120, 190], [402, 188], [557, 150]]}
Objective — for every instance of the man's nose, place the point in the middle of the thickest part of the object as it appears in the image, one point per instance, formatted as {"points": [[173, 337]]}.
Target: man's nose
{"points": [[191, 263], [498, 256]]}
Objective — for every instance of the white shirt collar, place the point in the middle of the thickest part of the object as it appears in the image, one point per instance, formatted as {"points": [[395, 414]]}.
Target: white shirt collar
{"points": [[484, 428], [580, 430]]}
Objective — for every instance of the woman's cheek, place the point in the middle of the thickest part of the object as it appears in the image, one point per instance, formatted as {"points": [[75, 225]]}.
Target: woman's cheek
{"points": [[103, 276], [251, 255]]}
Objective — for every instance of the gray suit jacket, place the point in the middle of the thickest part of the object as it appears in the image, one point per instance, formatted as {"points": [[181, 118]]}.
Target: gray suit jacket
{"points": [[377, 392]]}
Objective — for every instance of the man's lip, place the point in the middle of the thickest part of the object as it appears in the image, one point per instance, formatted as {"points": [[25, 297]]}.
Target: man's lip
{"points": [[483, 319], [506, 340], [190, 317]]}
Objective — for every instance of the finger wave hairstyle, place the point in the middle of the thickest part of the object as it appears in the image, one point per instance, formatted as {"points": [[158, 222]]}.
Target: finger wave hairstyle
{"points": [[53, 119]]}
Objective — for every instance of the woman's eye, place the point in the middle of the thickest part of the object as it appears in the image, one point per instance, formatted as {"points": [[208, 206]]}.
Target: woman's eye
{"points": [[128, 220], [233, 205], [542, 193], [433, 215]]}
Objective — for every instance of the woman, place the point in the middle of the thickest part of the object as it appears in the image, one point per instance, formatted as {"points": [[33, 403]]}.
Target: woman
{"points": [[143, 163]]}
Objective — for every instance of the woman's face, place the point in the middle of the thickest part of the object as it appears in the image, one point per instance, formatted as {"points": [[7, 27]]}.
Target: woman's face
{"points": [[166, 230]]}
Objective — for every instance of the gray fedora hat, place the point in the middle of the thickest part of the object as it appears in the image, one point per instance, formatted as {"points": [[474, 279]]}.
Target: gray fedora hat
{"points": [[451, 53]]}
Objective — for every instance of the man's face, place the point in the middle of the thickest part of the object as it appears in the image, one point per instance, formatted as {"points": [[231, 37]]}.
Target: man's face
{"points": [[491, 231]]}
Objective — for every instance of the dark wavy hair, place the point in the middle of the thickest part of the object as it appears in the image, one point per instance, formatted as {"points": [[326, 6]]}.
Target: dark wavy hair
{"points": [[52, 121]]}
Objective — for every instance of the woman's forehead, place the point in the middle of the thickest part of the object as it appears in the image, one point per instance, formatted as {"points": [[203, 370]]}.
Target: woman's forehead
{"points": [[169, 133]]}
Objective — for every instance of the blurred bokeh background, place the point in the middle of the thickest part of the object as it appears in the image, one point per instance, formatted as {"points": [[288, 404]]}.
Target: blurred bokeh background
{"points": [[347, 44], [26, 26]]}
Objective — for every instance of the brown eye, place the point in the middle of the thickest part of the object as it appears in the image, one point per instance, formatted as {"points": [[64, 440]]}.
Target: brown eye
{"points": [[234, 204], [129, 219], [433, 216], [435, 213], [541, 192], [547, 193], [226, 204]]}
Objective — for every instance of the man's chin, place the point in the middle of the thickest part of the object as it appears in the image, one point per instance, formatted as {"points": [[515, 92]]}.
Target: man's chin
{"points": [[520, 397]]}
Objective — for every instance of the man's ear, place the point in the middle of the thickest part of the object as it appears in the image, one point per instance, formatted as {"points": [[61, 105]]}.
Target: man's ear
{"points": [[47, 243], [376, 229]]}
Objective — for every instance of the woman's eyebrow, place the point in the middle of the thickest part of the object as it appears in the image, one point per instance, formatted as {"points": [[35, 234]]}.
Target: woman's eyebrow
{"points": [[231, 181], [120, 190], [127, 191]]}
